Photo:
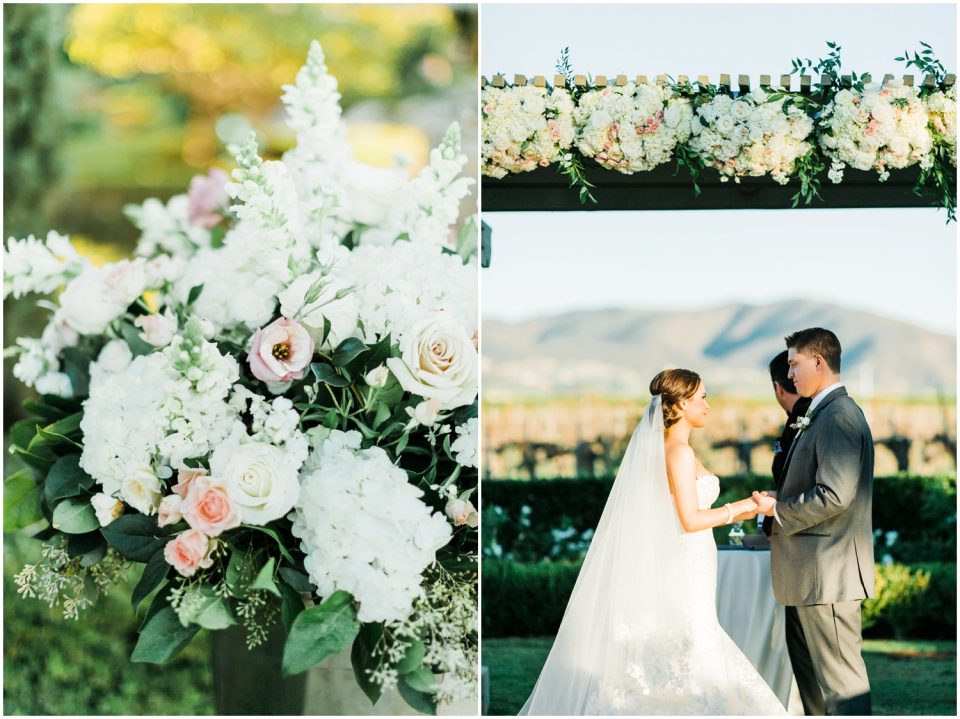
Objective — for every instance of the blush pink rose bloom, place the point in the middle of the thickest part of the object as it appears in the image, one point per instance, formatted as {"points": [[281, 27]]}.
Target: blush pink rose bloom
{"points": [[185, 477], [208, 507], [206, 196], [190, 551], [169, 511], [462, 511], [281, 351]]}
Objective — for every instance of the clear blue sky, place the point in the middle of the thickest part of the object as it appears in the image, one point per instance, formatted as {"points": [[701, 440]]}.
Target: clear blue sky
{"points": [[898, 263]]}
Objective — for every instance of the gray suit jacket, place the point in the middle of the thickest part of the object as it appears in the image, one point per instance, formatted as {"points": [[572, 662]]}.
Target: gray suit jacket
{"points": [[822, 552]]}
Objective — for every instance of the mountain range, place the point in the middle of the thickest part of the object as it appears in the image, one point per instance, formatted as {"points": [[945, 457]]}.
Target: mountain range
{"points": [[617, 351]]}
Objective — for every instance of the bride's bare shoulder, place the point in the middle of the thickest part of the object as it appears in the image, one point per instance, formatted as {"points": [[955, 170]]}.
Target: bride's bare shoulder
{"points": [[678, 453]]}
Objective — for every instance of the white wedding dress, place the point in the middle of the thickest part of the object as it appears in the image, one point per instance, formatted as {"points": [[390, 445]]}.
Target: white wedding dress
{"points": [[640, 634]]}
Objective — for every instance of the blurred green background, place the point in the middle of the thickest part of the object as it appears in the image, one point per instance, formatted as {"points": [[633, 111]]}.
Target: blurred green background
{"points": [[106, 105]]}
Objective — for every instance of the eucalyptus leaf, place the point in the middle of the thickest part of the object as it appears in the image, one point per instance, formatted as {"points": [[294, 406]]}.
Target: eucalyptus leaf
{"points": [[362, 658], [413, 659], [21, 501], [154, 574], [423, 702], [319, 632], [264, 579], [162, 637], [297, 580], [136, 536], [75, 516], [347, 351], [291, 604], [66, 479]]}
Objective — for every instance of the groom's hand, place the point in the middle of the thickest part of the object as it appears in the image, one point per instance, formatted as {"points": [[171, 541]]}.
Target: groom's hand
{"points": [[765, 503]]}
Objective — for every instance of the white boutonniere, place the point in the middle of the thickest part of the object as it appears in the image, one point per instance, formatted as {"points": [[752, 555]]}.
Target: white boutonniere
{"points": [[801, 424]]}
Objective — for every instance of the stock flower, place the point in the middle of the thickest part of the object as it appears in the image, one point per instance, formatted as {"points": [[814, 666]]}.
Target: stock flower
{"points": [[158, 329], [206, 197]]}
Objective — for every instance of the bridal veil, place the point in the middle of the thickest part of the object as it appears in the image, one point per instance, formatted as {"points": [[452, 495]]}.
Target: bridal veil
{"points": [[627, 622]]}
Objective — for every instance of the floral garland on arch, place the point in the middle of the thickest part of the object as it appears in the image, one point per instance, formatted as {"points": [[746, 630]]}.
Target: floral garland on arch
{"points": [[272, 407], [776, 133]]}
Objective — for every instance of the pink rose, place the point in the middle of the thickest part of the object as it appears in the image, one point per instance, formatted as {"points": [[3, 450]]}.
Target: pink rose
{"points": [[462, 511], [185, 477], [169, 511], [206, 197], [208, 507], [190, 551], [280, 352]]}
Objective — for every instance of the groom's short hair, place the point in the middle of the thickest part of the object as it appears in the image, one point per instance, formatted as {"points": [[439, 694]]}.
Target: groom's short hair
{"points": [[817, 341], [778, 373]]}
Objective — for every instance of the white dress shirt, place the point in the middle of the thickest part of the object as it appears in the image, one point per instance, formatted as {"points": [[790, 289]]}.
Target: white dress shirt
{"points": [[817, 399]]}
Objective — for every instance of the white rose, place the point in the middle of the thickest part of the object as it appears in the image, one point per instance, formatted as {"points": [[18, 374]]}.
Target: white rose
{"points": [[125, 281], [370, 192], [260, 480], [115, 356], [107, 508], [377, 377], [169, 510], [462, 511], [87, 305], [438, 361], [158, 329], [141, 489]]}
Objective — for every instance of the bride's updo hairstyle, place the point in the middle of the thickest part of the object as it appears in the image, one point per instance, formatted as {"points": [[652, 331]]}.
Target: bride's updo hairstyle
{"points": [[674, 386]]}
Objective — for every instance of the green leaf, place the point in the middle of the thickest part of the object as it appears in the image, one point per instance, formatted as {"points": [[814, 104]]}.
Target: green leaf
{"points": [[41, 462], [136, 536], [154, 574], [42, 410], [81, 544], [131, 335], [194, 294], [413, 659], [291, 604], [272, 533], [75, 516], [23, 432], [66, 479], [328, 375], [382, 415], [264, 579], [76, 365], [210, 611], [421, 679], [297, 580], [379, 352], [326, 331], [423, 702], [21, 501], [362, 658], [162, 638], [319, 632], [347, 351]]}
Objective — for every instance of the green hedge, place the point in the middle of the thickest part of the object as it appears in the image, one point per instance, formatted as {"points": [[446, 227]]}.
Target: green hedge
{"points": [[521, 600], [530, 520]]}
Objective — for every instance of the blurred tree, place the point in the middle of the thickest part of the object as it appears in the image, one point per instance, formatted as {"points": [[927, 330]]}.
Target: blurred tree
{"points": [[30, 128]]}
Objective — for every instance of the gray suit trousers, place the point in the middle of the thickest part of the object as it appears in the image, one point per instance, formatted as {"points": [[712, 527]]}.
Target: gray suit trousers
{"points": [[824, 644]]}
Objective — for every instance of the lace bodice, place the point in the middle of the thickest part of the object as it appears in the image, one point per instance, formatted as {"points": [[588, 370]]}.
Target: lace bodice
{"points": [[708, 489]]}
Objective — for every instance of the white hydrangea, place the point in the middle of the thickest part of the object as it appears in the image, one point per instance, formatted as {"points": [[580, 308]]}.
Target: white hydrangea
{"points": [[399, 285], [631, 128], [751, 136], [275, 422], [524, 128], [466, 447], [157, 410], [364, 529], [942, 109], [40, 266], [881, 128], [166, 228]]}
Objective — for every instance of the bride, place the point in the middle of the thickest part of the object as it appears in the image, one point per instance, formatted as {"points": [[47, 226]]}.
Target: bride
{"points": [[640, 633]]}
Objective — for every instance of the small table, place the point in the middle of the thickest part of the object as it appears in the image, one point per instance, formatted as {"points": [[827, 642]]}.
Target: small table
{"points": [[749, 613]]}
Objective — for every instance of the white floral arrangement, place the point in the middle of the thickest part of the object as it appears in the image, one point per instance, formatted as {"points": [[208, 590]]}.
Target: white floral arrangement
{"points": [[880, 128], [631, 128], [942, 111], [272, 406], [751, 136], [524, 127]]}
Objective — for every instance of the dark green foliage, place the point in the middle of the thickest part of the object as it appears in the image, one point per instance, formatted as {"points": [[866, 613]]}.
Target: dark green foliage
{"points": [[528, 600], [562, 507]]}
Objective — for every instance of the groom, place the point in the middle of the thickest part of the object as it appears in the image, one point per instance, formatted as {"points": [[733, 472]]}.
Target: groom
{"points": [[822, 540]]}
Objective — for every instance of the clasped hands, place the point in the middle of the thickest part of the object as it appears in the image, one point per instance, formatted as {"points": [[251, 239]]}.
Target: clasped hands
{"points": [[764, 502]]}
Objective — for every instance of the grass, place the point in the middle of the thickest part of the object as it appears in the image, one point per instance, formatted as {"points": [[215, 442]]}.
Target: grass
{"points": [[56, 666], [907, 678]]}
